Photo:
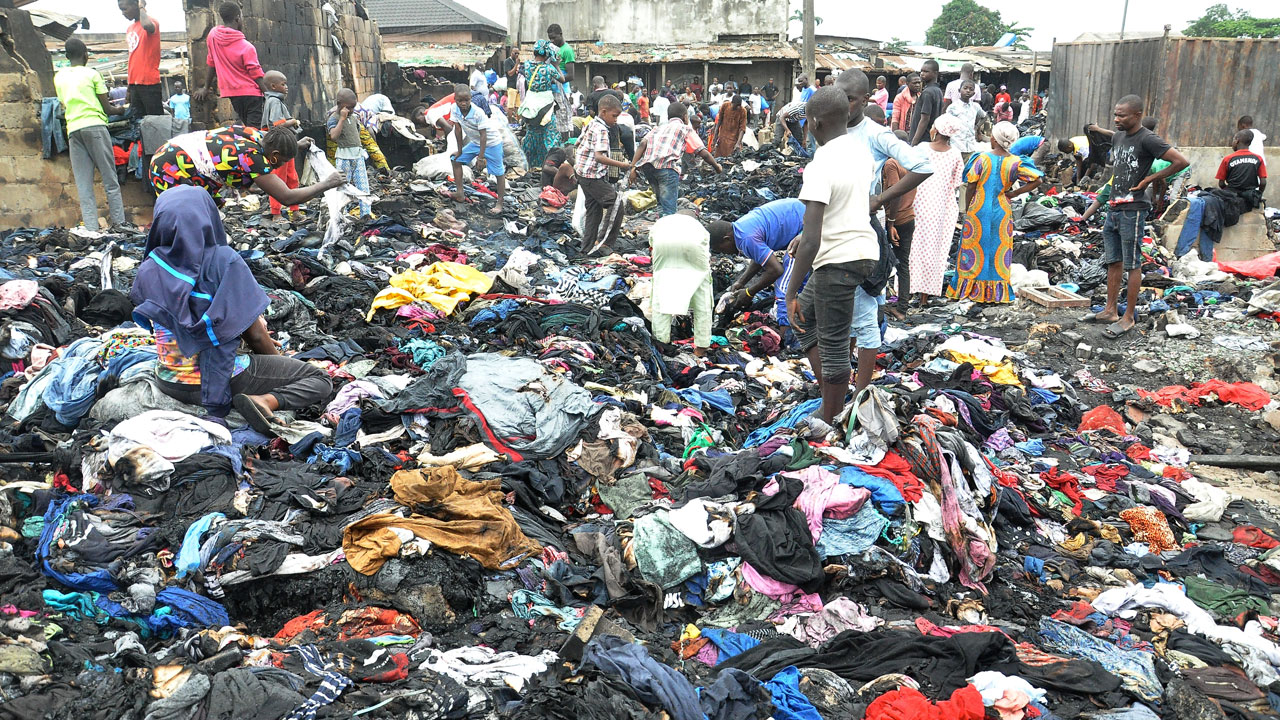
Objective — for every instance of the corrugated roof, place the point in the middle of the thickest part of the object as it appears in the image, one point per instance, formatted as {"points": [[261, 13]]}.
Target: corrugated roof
{"points": [[639, 53], [55, 24], [436, 55], [427, 16]]}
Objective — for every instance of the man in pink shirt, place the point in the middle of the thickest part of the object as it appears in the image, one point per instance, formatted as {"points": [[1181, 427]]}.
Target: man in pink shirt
{"points": [[235, 64]]}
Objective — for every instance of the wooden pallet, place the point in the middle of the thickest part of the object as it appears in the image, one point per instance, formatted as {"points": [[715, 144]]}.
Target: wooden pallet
{"points": [[1054, 297]]}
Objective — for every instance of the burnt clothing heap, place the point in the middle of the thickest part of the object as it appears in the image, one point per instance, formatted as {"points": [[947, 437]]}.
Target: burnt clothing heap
{"points": [[516, 503]]}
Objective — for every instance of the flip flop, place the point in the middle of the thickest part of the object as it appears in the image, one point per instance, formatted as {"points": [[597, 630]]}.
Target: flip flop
{"points": [[1090, 318], [253, 414], [1114, 330]]}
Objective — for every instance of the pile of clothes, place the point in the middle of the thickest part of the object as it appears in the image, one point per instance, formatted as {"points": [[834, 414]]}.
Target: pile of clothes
{"points": [[517, 504]]}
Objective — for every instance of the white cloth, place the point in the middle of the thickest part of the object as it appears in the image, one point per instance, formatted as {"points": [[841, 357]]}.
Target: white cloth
{"points": [[1255, 147], [479, 83], [195, 145], [679, 275], [173, 435], [839, 176], [1211, 502], [481, 665], [700, 521], [377, 103], [992, 686], [659, 108], [1250, 642]]}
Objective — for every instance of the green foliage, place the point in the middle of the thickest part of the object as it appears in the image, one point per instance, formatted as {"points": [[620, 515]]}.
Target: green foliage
{"points": [[1219, 21], [965, 22]]}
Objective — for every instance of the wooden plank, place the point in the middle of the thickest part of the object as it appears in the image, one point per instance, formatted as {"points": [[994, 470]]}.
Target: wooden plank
{"points": [[1054, 297]]}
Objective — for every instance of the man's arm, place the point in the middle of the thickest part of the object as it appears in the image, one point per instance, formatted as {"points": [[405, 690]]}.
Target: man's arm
{"points": [[258, 338], [604, 159], [1262, 184], [913, 161], [705, 154], [1094, 127], [105, 100], [148, 25], [806, 251], [1177, 163]]}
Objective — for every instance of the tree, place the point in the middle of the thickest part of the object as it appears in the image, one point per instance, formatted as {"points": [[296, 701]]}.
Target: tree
{"points": [[965, 22], [1022, 32], [798, 17], [896, 45], [1219, 21]]}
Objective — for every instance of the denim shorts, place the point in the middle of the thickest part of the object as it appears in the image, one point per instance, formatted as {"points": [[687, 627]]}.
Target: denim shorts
{"points": [[827, 304], [865, 326], [492, 156], [1122, 237]]}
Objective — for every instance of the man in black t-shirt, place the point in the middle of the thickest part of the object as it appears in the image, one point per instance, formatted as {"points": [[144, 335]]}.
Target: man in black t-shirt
{"points": [[744, 87], [770, 91], [1133, 149], [1243, 172], [598, 90], [928, 106]]}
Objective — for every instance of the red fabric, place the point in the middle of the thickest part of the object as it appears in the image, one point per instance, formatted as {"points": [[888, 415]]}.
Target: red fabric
{"points": [[1263, 572], [1261, 268], [1254, 537], [1103, 418], [362, 623], [1138, 451], [399, 672], [909, 704], [926, 627], [1066, 484], [443, 252], [1246, 395], [1105, 476], [553, 197], [144, 54], [1176, 473], [287, 172], [897, 470]]}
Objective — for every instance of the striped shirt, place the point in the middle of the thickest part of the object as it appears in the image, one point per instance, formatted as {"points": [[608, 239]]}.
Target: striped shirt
{"points": [[667, 145], [594, 139]]}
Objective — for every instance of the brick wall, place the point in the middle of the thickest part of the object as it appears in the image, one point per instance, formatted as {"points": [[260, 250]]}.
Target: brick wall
{"points": [[294, 38], [38, 192]]}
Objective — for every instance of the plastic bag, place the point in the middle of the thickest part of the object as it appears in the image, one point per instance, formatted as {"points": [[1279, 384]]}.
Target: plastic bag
{"points": [[579, 213]]}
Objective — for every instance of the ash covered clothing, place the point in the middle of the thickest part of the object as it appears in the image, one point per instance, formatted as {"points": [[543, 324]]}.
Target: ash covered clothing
{"points": [[199, 288], [986, 249], [839, 177], [226, 157], [681, 252], [235, 60], [78, 88]]}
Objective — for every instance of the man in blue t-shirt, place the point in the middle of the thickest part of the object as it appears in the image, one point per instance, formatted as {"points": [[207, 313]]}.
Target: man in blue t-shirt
{"points": [[759, 236]]}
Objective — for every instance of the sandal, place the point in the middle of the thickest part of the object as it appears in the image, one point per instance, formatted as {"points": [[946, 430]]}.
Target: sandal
{"points": [[1115, 330], [253, 413]]}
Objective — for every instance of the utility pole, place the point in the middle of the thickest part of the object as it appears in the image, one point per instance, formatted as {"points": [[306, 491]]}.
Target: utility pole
{"points": [[808, 60], [1124, 18]]}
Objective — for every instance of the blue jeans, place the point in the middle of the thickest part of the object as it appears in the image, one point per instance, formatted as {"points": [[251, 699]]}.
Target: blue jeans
{"points": [[666, 186]]}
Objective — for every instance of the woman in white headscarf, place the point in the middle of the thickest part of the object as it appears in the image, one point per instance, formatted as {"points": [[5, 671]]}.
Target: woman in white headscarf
{"points": [[986, 250], [936, 210]]}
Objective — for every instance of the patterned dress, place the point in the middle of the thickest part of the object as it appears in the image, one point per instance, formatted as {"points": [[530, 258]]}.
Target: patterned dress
{"points": [[539, 137], [986, 250], [936, 212], [226, 157]]}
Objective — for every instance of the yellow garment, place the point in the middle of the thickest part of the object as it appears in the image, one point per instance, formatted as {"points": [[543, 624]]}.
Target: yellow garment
{"points": [[1002, 373], [466, 518], [641, 200], [370, 144], [443, 284]]}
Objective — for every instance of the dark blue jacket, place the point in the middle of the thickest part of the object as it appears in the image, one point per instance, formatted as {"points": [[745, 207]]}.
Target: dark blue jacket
{"points": [[198, 287]]}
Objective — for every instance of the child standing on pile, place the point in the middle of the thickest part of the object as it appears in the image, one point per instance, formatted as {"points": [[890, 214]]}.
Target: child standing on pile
{"points": [[276, 112], [658, 156], [838, 244], [483, 133], [83, 95], [592, 163], [344, 130]]}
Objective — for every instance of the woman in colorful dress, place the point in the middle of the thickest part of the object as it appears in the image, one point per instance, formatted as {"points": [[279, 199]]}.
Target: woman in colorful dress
{"points": [[936, 211], [986, 250], [537, 111]]}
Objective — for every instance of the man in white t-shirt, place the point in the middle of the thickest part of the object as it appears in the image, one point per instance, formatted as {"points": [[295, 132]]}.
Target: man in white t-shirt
{"points": [[1246, 123], [838, 244], [952, 93]]}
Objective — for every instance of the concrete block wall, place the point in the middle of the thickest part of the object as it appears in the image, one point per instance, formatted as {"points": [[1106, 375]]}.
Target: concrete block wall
{"points": [[294, 38]]}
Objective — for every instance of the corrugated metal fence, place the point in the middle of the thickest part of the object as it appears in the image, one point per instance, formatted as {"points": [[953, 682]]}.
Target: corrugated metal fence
{"points": [[1195, 87]]}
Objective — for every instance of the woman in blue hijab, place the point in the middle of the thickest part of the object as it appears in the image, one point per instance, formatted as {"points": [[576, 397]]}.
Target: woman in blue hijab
{"points": [[199, 298]]}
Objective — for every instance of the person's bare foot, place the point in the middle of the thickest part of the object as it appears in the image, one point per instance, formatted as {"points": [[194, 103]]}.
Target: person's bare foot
{"points": [[497, 209], [258, 411]]}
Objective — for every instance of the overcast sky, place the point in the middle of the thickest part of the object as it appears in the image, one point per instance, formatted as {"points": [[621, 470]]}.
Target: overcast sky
{"points": [[881, 21]]}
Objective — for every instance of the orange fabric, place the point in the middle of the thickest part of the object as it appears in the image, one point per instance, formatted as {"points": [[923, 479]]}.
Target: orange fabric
{"points": [[1246, 395], [144, 54], [287, 172], [1150, 526], [1103, 418], [356, 623], [458, 515]]}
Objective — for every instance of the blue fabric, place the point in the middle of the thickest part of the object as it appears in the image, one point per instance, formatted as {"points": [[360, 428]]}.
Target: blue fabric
{"points": [[1135, 668], [348, 426], [99, 580], [788, 702], [188, 560], [666, 186], [199, 288], [53, 135], [341, 457], [73, 385], [768, 228], [653, 682], [497, 311], [1193, 231], [728, 642], [789, 420], [1041, 396], [883, 492], [194, 610], [1025, 146], [850, 536], [1031, 447], [718, 399], [1035, 566], [883, 144], [426, 353]]}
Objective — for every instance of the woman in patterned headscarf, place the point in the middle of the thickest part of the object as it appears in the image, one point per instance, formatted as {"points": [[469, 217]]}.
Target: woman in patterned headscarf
{"points": [[537, 111], [986, 250]]}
